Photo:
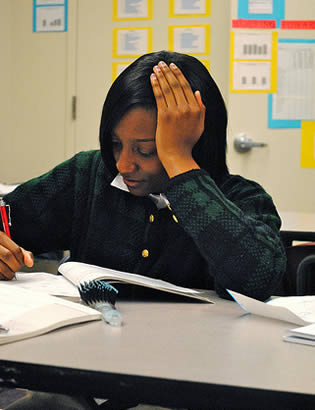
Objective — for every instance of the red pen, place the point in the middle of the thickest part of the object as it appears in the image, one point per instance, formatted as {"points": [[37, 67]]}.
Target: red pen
{"points": [[4, 217]]}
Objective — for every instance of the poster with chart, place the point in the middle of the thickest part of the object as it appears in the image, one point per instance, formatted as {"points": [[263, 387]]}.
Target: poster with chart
{"points": [[295, 97], [253, 61], [252, 46], [50, 15], [190, 39]]}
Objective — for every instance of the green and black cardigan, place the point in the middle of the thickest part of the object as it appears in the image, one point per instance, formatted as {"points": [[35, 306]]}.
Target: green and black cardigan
{"points": [[213, 236]]}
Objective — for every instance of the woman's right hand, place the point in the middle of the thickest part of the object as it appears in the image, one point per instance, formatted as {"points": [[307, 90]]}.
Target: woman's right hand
{"points": [[12, 257]]}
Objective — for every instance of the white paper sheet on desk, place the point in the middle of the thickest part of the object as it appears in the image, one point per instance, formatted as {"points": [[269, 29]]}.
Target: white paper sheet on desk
{"points": [[43, 282], [294, 309], [304, 335], [25, 313]]}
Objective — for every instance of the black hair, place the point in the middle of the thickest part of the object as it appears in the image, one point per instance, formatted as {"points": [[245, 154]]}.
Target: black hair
{"points": [[133, 88]]}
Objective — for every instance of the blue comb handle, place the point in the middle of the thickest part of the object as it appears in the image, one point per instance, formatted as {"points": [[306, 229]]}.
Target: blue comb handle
{"points": [[110, 314]]}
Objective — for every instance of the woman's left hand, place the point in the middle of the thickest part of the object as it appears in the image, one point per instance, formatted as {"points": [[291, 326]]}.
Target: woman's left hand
{"points": [[180, 118]]}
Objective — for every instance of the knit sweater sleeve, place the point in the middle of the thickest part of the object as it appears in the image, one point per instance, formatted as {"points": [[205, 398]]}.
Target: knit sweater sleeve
{"points": [[236, 229], [43, 208]]}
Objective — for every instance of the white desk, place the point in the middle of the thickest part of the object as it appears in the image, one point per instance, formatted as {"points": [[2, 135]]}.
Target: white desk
{"points": [[297, 226], [171, 354]]}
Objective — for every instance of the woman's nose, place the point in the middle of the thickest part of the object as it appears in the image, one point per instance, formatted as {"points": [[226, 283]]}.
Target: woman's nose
{"points": [[125, 162]]}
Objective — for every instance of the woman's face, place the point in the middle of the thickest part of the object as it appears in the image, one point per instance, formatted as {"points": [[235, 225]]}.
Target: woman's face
{"points": [[133, 142]]}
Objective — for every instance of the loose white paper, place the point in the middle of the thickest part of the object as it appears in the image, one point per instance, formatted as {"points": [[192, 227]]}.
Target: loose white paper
{"points": [[303, 335], [294, 309]]}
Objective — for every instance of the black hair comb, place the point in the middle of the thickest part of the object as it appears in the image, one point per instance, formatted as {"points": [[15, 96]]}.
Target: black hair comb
{"points": [[101, 296]]}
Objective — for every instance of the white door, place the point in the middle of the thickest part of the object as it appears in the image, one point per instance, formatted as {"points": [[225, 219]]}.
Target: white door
{"points": [[34, 102], [277, 165]]}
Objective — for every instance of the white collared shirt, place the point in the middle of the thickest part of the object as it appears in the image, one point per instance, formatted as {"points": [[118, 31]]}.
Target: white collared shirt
{"points": [[160, 200]]}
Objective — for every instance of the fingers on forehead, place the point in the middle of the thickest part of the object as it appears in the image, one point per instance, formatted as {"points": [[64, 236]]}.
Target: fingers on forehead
{"points": [[159, 97], [181, 79]]}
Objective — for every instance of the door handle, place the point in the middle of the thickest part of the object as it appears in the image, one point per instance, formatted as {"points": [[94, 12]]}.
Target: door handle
{"points": [[242, 143]]}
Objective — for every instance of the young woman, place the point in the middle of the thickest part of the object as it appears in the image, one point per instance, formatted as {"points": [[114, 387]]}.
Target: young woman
{"points": [[157, 199]]}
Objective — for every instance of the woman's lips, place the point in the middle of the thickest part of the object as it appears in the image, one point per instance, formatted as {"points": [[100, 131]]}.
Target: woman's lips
{"points": [[132, 183]]}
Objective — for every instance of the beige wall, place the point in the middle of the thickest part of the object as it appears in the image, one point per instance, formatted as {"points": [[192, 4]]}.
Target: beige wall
{"points": [[5, 79], [32, 100]]}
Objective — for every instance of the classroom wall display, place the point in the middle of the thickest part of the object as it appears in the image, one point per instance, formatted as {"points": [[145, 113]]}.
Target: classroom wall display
{"points": [[189, 8], [253, 62], [295, 97], [132, 41], [308, 144], [50, 16], [262, 10], [132, 10], [190, 39]]}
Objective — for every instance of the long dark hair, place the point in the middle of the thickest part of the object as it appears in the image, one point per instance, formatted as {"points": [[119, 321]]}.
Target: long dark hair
{"points": [[133, 88]]}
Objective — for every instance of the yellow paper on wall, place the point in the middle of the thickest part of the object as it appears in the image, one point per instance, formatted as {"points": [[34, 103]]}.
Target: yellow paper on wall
{"points": [[308, 144]]}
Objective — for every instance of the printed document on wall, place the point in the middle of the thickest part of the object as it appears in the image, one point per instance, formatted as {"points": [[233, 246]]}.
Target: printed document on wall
{"points": [[260, 6], [253, 61], [295, 97], [261, 10], [251, 75]]}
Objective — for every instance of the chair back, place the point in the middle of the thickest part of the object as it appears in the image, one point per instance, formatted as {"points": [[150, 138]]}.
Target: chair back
{"points": [[299, 278]]}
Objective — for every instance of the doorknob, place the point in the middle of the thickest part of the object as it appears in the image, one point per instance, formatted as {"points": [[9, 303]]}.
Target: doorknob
{"points": [[242, 143]]}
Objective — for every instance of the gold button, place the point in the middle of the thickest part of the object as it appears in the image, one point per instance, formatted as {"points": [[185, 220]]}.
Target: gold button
{"points": [[145, 253], [175, 219], [151, 218]]}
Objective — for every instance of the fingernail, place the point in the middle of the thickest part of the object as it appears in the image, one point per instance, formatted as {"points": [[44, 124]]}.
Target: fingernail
{"points": [[172, 65], [162, 64]]}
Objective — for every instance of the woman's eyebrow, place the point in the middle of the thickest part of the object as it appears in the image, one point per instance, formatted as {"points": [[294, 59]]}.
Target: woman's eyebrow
{"points": [[145, 139]]}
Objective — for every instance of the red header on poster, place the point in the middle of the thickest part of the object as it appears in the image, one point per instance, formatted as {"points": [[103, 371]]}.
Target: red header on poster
{"points": [[249, 23], [298, 24]]}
